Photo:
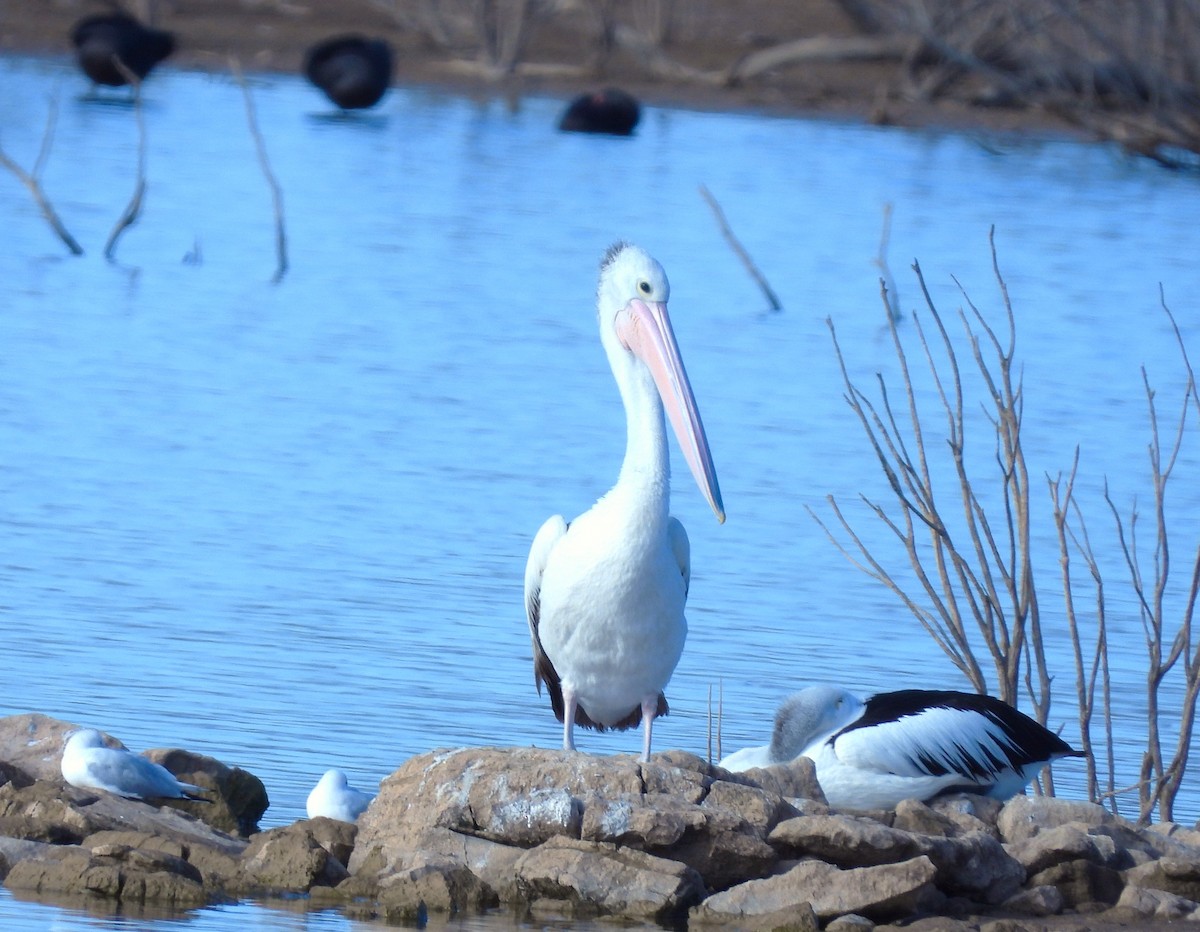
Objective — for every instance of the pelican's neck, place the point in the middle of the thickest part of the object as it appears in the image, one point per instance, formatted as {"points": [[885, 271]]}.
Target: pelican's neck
{"points": [[646, 470]]}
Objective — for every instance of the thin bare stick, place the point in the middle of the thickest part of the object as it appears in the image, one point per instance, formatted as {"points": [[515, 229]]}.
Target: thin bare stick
{"points": [[881, 263], [133, 209], [265, 163], [737, 247], [34, 186], [710, 725]]}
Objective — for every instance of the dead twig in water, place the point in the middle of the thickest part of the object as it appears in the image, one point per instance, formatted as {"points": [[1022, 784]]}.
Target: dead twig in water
{"points": [[133, 209], [264, 162], [892, 297], [737, 247], [30, 180]]}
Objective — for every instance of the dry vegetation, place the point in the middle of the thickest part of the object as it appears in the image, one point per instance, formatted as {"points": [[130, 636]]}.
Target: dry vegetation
{"points": [[972, 580]]}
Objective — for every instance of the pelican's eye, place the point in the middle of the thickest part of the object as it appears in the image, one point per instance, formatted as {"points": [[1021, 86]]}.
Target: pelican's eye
{"points": [[644, 287]]}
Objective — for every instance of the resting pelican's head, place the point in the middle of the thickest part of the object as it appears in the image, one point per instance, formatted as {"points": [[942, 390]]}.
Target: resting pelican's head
{"points": [[811, 715]]}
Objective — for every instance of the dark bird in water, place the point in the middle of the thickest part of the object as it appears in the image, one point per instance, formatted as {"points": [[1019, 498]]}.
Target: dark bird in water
{"points": [[100, 41], [353, 71], [609, 111]]}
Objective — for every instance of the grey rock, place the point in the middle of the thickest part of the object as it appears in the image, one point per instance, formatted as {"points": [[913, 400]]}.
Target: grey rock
{"points": [[888, 890], [1158, 904], [1081, 882], [1171, 875], [1025, 816], [1035, 901], [593, 878]]}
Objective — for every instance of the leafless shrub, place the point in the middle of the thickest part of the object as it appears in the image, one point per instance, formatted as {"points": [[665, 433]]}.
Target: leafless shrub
{"points": [[974, 583]]}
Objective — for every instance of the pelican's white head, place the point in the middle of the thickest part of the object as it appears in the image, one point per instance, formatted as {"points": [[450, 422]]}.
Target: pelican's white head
{"points": [[631, 304], [809, 716]]}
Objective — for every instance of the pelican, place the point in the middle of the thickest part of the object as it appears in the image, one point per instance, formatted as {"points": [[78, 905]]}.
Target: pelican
{"points": [[334, 798], [100, 39], [89, 763], [353, 71], [604, 594], [909, 744]]}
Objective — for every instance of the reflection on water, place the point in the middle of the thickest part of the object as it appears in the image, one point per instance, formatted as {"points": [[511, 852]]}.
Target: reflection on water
{"points": [[286, 526]]}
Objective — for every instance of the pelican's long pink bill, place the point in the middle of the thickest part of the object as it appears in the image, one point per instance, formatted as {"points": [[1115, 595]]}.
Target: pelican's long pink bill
{"points": [[645, 330]]}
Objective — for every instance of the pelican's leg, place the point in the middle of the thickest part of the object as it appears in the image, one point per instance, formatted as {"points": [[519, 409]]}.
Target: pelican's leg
{"points": [[649, 710], [569, 705]]}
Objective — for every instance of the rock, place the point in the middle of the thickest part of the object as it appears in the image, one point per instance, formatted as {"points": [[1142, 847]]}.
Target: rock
{"points": [[1025, 816], [845, 840], [448, 888], [215, 858], [974, 864], [1158, 904], [1035, 901], [238, 798], [32, 744], [1081, 882], [796, 779], [850, 923], [1067, 842], [676, 805], [117, 872], [885, 891], [592, 878], [334, 836], [290, 860], [1181, 878]]}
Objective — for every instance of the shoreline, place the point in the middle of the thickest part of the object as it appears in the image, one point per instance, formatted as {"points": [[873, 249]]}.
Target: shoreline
{"points": [[272, 39]]}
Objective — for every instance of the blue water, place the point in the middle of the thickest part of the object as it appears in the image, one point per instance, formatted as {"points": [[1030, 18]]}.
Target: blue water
{"points": [[286, 525]]}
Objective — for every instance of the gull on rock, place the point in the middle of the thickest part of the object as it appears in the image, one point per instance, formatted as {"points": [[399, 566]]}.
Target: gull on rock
{"points": [[89, 763], [605, 593], [334, 798], [908, 744]]}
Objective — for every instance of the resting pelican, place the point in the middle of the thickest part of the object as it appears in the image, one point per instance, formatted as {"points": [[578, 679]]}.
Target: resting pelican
{"points": [[334, 798], [88, 762], [604, 595], [910, 744]]}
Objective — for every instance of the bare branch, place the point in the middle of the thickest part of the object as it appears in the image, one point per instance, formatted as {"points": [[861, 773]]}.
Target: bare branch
{"points": [[264, 162], [34, 186], [740, 250]]}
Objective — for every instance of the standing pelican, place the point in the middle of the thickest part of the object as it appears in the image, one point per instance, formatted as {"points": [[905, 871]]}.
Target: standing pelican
{"points": [[604, 595], [908, 744]]}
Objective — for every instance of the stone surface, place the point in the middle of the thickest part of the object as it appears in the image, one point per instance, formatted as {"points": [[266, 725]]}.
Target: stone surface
{"points": [[592, 878], [1081, 882], [885, 891], [1158, 904], [553, 835], [290, 859], [1035, 901]]}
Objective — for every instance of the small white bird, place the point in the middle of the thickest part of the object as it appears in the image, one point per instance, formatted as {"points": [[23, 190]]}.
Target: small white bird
{"points": [[605, 594], [908, 744], [87, 762], [334, 798]]}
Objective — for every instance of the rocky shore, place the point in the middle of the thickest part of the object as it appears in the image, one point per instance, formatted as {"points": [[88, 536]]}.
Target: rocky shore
{"points": [[675, 842]]}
